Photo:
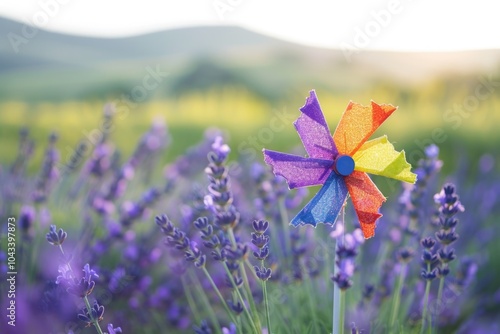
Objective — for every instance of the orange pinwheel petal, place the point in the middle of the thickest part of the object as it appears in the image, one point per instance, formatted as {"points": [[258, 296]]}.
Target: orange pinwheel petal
{"points": [[358, 123], [367, 200]]}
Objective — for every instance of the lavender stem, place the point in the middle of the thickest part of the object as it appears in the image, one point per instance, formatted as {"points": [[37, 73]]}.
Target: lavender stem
{"points": [[94, 321], [217, 291], [397, 296], [246, 284], [240, 297], [426, 302]]}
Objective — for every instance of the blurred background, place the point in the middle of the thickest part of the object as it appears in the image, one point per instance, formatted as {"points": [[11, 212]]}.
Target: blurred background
{"points": [[228, 63], [245, 67]]}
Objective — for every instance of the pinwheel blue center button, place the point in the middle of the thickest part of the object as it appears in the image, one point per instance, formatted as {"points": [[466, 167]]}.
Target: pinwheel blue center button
{"points": [[343, 165]]}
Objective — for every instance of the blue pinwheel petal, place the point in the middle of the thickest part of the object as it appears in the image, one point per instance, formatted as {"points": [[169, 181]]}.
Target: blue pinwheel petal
{"points": [[313, 130], [325, 206]]}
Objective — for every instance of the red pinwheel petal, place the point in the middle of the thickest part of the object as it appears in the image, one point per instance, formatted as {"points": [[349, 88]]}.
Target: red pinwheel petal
{"points": [[313, 130], [367, 200], [298, 171], [357, 124]]}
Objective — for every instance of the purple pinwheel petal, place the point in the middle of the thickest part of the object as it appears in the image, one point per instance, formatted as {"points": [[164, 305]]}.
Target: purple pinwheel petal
{"points": [[314, 132], [298, 171], [325, 205]]}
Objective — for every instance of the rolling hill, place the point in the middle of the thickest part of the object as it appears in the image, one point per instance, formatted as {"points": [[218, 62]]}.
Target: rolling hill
{"points": [[54, 66]]}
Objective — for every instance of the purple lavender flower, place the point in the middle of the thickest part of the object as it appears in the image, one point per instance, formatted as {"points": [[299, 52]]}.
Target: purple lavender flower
{"points": [[448, 201], [429, 259], [152, 142], [97, 165], [113, 330], [96, 314], [405, 254], [193, 254], [26, 220], [178, 240], [227, 219], [65, 274], [219, 201], [272, 196], [85, 285], [428, 243], [449, 206], [347, 250], [119, 183], [368, 292], [237, 254], [146, 150], [211, 239], [203, 329], [295, 199], [132, 211], [233, 261], [230, 330], [24, 153], [220, 149], [298, 250], [261, 240], [220, 198], [235, 280], [54, 237], [235, 306], [81, 287], [177, 316], [3, 262], [466, 272], [49, 172], [100, 163], [428, 275], [413, 212], [266, 200], [411, 200], [262, 273], [117, 280]]}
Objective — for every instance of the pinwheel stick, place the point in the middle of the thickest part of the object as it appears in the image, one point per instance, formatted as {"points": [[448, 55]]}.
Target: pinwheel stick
{"points": [[338, 295]]}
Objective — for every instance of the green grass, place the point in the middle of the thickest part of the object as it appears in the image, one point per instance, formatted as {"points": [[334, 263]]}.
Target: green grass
{"points": [[248, 121]]}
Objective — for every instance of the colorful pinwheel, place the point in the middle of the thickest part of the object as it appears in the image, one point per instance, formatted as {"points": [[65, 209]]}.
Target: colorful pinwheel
{"points": [[340, 163]]}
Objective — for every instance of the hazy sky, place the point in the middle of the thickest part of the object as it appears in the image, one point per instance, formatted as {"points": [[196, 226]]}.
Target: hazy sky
{"points": [[380, 24]]}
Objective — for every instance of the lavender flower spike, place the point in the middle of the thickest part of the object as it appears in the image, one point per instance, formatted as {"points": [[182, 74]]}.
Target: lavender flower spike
{"points": [[96, 313], [346, 252], [82, 287], [260, 240], [54, 237], [113, 330]]}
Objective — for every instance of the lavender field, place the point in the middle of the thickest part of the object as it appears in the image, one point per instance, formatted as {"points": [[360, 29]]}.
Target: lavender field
{"points": [[105, 244], [135, 196]]}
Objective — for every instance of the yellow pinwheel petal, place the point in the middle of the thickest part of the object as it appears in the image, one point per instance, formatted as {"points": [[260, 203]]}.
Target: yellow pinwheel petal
{"points": [[379, 157]]}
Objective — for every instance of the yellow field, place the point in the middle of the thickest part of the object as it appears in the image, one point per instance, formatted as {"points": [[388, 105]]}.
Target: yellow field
{"points": [[425, 114]]}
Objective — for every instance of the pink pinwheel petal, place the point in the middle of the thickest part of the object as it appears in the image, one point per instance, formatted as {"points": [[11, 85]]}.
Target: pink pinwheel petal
{"points": [[313, 130], [298, 171]]}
